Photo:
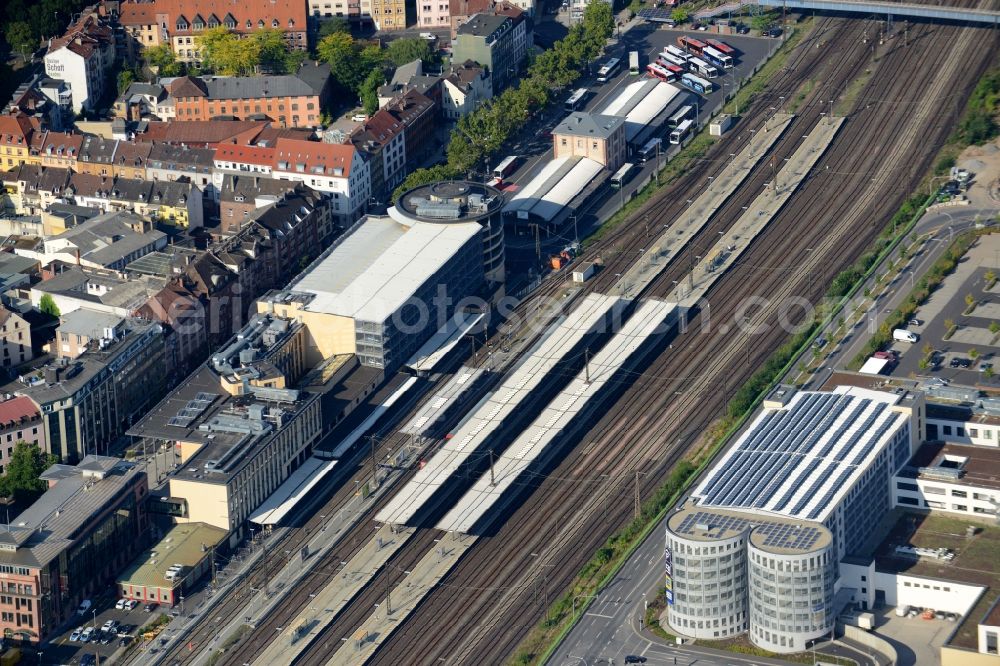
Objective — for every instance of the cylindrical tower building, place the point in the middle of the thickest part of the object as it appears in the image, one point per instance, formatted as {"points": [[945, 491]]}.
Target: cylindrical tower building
{"points": [[792, 568], [451, 201]]}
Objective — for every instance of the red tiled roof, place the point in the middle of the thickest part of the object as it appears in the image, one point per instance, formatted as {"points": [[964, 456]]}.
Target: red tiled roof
{"points": [[17, 408], [245, 154], [133, 13], [15, 130], [62, 144], [313, 154], [204, 132]]}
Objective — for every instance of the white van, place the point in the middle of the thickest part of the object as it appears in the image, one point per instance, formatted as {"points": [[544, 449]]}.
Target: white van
{"points": [[903, 335]]}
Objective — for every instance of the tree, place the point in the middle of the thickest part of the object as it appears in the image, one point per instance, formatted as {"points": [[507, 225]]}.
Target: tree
{"points": [[973, 353], [994, 327], [26, 464], [402, 51], [330, 26], [340, 51], [762, 22], [949, 324], [970, 300], [369, 90], [680, 15], [48, 305], [598, 25], [125, 79], [21, 38], [227, 54], [275, 56], [162, 58]]}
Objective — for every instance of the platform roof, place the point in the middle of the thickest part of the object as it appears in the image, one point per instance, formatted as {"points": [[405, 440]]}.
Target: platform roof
{"points": [[640, 103], [444, 340], [378, 412], [554, 187], [795, 461], [490, 414], [556, 417], [291, 492], [442, 400]]}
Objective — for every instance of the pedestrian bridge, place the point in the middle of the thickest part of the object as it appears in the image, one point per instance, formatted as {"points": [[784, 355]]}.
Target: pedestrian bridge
{"points": [[894, 9]]}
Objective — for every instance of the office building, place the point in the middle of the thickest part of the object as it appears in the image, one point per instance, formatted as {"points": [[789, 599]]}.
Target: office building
{"points": [[70, 544], [757, 547]]}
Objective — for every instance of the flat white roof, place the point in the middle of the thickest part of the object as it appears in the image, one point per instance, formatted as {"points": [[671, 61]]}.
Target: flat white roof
{"points": [[556, 417], [558, 183], [491, 413], [639, 103], [624, 101], [291, 492], [442, 400], [799, 460], [374, 271], [444, 340], [874, 366]]}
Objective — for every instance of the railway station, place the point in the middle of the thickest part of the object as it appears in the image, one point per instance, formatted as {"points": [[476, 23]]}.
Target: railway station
{"points": [[645, 106], [486, 422], [560, 187]]}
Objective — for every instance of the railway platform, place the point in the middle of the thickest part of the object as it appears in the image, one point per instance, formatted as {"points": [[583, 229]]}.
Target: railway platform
{"points": [[673, 238], [755, 219], [328, 602], [402, 601]]}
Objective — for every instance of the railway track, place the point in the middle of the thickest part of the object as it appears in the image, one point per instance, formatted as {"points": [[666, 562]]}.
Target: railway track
{"points": [[481, 611]]}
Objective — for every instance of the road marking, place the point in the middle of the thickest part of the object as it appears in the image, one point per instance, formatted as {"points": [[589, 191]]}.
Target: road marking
{"points": [[609, 617]]}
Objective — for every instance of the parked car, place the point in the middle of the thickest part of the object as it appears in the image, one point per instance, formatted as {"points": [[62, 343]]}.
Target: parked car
{"points": [[110, 625], [959, 362], [150, 607], [916, 322], [741, 29], [130, 604], [84, 607], [124, 629], [120, 604], [983, 367], [359, 118], [88, 660], [107, 637], [635, 659], [75, 636], [772, 32], [87, 635]]}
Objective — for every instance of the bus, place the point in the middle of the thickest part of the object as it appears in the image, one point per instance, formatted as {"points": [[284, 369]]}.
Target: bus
{"points": [[696, 83], [673, 60], [660, 72], [576, 100], [677, 53], [722, 46], [608, 70], [717, 58], [621, 176], [505, 168], [690, 44], [703, 68], [680, 116], [678, 133], [633, 62], [651, 149], [677, 71]]}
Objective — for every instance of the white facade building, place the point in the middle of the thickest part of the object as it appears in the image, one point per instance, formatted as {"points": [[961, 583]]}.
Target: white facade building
{"points": [[335, 169], [82, 58]]}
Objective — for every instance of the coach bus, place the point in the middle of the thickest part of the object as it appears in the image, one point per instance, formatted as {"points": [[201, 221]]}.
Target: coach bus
{"points": [[680, 116], [717, 58], [608, 70], [576, 100], [633, 62], [660, 72], [678, 133], [621, 176], [505, 168], [680, 54], [673, 60], [703, 68], [722, 46], [690, 44], [696, 83], [651, 149]]}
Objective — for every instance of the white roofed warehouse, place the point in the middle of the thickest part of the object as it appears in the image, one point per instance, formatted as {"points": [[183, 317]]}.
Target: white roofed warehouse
{"points": [[801, 489]]}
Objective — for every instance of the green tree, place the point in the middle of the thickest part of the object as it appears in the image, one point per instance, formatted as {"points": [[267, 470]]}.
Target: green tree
{"points": [[330, 26], [369, 90], [973, 353], [680, 15], [125, 79], [970, 300], [225, 53], [994, 327], [762, 22], [162, 58], [26, 464], [341, 52], [47, 305], [402, 51], [598, 24], [21, 38]]}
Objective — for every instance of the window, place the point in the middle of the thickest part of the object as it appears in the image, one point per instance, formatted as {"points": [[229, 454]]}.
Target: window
{"points": [[904, 485], [946, 429], [959, 493]]}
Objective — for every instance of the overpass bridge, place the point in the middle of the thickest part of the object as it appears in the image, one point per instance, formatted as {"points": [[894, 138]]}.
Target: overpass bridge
{"points": [[892, 9]]}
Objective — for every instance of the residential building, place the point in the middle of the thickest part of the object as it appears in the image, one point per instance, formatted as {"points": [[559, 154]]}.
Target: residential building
{"points": [[381, 140], [15, 140], [293, 100], [238, 424], [771, 525], [59, 217], [497, 41], [59, 93], [357, 297], [463, 10], [20, 421], [464, 90], [29, 189], [242, 195], [72, 287], [185, 324], [82, 58], [131, 159], [600, 138], [398, 84], [169, 162], [97, 156], [388, 15], [89, 401], [178, 23], [59, 149], [178, 203], [145, 101], [70, 544], [209, 133], [433, 14], [172, 566], [15, 338], [30, 100], [336, 169], [418, 115]]}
